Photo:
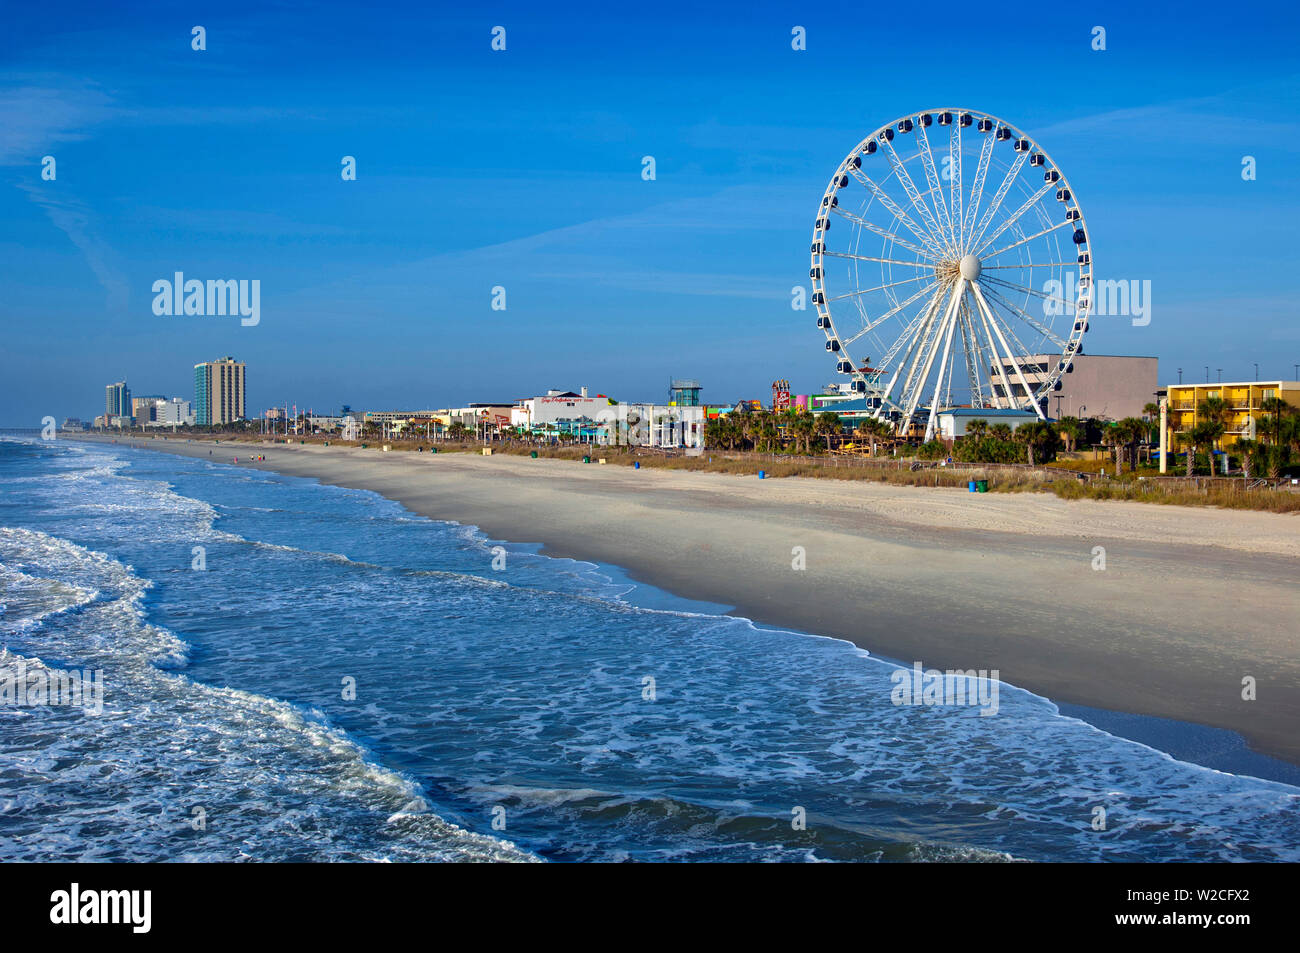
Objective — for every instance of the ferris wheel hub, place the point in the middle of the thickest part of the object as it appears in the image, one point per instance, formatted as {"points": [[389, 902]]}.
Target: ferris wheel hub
{"points": [[969, 267]]}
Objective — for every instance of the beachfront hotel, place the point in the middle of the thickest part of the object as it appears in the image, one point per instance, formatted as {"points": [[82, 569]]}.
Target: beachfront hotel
{"points": [[117, 401], [1245, 405], [218, 392]]}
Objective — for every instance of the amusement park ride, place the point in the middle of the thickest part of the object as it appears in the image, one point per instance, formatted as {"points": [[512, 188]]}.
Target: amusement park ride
{"points": [[939, 267]]}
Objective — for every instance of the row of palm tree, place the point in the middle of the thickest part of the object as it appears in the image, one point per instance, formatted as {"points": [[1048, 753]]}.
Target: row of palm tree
{"points": [[1033, 442], [768, 431], [1277, 439]]}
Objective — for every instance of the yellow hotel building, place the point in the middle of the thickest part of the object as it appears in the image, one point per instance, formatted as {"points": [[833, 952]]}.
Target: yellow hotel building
{"points": [[1243, 400]]}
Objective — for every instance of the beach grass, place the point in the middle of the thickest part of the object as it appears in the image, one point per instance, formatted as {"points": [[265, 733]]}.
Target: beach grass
{"points": [[1059, 478]]}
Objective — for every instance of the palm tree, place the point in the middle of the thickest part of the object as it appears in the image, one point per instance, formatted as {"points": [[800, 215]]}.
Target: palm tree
{"points": [[1000, 432], [1131, 431], [1029, 435], [977, 428], [715, 433], [1215, 411], [1246, 449], [876, 431], [1115, 438], [802, 427], [1041, 442], [1071, 430], [1205, 434], [1272, 424], [828, 426]]}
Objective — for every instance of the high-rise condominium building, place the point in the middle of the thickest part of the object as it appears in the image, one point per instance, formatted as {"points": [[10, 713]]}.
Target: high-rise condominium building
{"points": [[117, 400], [218, 392]]}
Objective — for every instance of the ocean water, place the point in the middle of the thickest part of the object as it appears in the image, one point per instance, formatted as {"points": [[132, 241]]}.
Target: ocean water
{"points": [[499, 713]]}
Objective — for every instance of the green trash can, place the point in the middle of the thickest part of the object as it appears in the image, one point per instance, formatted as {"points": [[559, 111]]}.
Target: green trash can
{"points": [[433, 449], [586, 459], [533, 454], [981, 486]]}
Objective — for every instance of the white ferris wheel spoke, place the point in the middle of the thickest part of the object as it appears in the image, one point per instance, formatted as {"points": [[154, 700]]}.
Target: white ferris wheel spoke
{"points": [[958, 295], [1050, 228], [888, 261], [997, 364], [932, 174], [977, 189], [914, 196], [1041, 328], [909, 333], [971, 347], [1006, 327], [889, 314], [988, 314], [984, 241], [1012, 286], [944, 329], [888, 236], [892, 351], [1007, 181], [892, 284], [897, 210], [927, 344], [1031, 264], [954, 191], [913, 344]]}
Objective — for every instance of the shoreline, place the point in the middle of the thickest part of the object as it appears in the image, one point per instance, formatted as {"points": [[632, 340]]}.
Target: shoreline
{"points": [[1137, 643]]}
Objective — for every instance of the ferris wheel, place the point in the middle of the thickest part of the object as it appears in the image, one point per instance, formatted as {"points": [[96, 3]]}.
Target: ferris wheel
{"points": [[959, 271]]}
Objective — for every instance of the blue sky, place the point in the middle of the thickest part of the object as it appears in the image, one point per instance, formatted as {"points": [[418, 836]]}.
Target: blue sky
{"points": [[523, 169]]}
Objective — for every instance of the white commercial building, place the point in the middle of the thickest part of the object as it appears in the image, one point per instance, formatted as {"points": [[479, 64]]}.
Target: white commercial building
{"points": [[953, 422], [559, 410], [652, 425], [172, 412]]}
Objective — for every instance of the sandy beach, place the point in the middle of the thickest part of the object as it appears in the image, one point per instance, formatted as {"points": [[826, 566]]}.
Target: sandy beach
{"points": [[1191, 600]]}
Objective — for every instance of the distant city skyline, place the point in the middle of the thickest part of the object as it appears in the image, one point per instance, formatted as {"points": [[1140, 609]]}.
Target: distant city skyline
{"points": [[515, 178]]}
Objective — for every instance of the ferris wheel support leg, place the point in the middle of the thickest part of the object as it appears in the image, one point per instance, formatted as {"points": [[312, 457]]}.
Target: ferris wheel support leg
{"points": [[914, 345], [998, 365], [915, 397], [979, 296], [957, 296]]}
